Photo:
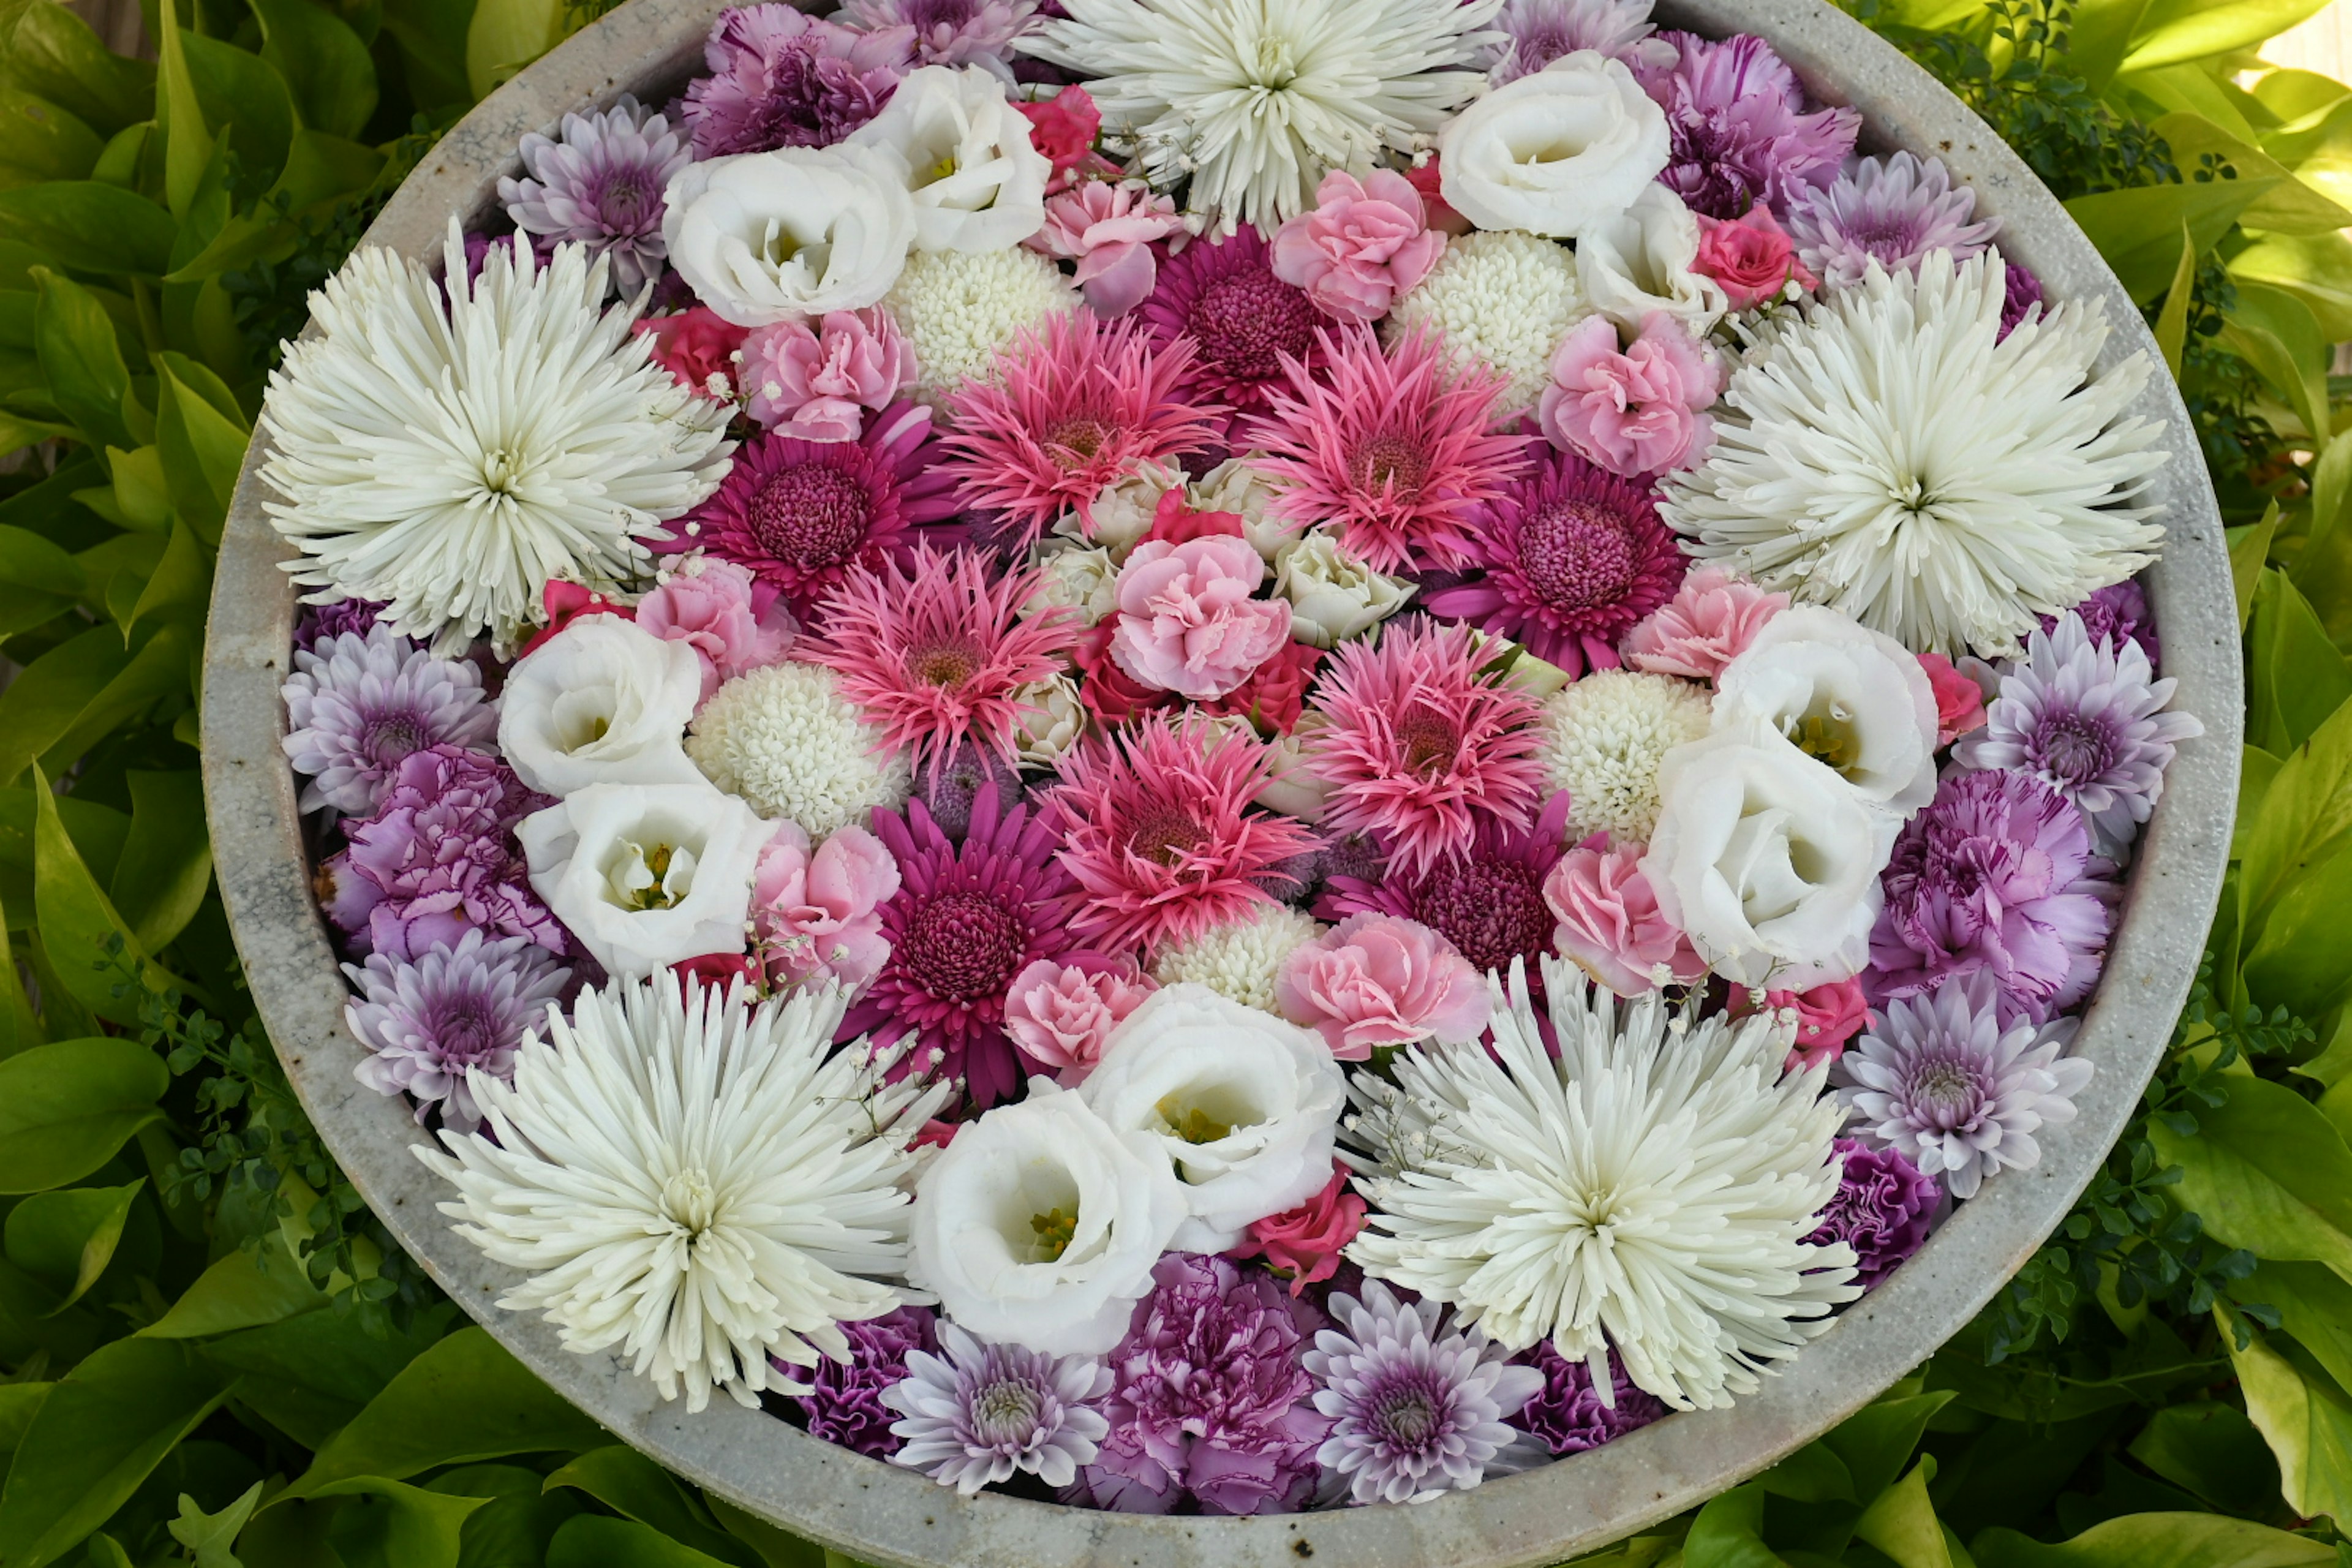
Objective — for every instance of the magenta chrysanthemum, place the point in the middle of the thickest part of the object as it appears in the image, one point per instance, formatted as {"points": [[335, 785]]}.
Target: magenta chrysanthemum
{"points": [[935, 654], [425, 1023], [799, 514], [1392, 449], [359, 703], [1241, 320], [1572, 557], [1894, 211], [601, 185], [1072, 409], [1160, 835], [1741, 132], [780, 78], [1486, 900], [1417, 747]]}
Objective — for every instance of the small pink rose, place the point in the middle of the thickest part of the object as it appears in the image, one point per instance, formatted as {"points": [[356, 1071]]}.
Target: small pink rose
{"points": [[693, 346], [935, 1134], [1610, 924], [1959, 701], [1305, 1242], [816, 915], [816, 384], [1059, 1013], [720, 970], [1381, 980], [1187, 620], [1828, 1016], [1425, 179], [1752, 257], [1175, 521], [1064, 128], [1709, 622], [1635, 411], [1107, 229], [566, 603], [733, 621], [1365, 242]]}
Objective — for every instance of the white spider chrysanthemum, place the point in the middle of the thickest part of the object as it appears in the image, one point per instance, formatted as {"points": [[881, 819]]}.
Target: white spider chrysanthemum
{"points": [[1651, 1188], [1603, 738], [1257, 100], [1503, 300], [699, 1181], [786, 740], [454, 460], [1887, 454], [959, 308], [1239, 959]]}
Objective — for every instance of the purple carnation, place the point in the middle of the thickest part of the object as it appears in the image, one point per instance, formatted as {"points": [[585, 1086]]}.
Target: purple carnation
{"points": [[2116, 612], [601, 185], [1210, 1405], [780, 78], [2021, 292], [439, 859], [358, 703], [1538, 32], [1892, 211], [1741, 132], [320, 623], [1883, 1209], [1566, 1415], [1995, 877], [977, 1413], [844, 1403], [424, 1023]]}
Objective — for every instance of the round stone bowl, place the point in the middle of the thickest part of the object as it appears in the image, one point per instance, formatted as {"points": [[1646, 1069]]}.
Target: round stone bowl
{"points": [[882, 1514]]}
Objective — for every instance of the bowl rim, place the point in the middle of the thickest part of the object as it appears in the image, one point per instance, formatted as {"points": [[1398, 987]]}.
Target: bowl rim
{"points": [[883, 1514]]}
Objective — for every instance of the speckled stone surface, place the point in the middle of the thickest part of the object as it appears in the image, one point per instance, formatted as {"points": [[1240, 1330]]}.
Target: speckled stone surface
{"points": [[874, 1511]]}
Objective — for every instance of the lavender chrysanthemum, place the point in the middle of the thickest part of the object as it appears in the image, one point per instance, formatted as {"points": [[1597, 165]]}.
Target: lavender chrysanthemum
{"points": [[425, 1023], [949, 32], [1740, 131], [1883, 1209], [1893, 211], [600, 183], [1958, 1093], [948, 785], [844, 1403], [359, 703], [323, 623], [780, 78], [1538, 32], [976, 1413], [1416, 1413], [1568, 1414], [2115, 612], [2084, 717]]}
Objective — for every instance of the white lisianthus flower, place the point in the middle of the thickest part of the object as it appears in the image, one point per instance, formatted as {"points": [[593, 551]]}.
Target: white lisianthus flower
{"points": [[1240, 486], [1333, 596], [1125, 509], [1039, 1225], [1640, 262], [1083, 580], [1052, 718], [647, 875], [976, 181], [1845, 695], [1554, 154], [1767, 858], [773, 236], [1242, 1104], [602, 701]]}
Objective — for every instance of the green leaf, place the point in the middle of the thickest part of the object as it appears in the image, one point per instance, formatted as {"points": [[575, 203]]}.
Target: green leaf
{"points": [[591, 1540], [431, 36], [210, 1535], [90, 227], [2100, 35], [77, 917], [311, 1374], [2172, 327], [1813, 1474], [50, 51], [324, 62], [2314, 1305], [2250, 549], [2305, 1417], [2287, 206], [2139, 229], [2266, 1171], [635, 1487], [19, 1402], [187, 140], [2175, 31], [81, 358], [2306, 817], [2157, 1541], [161, 668], [1727, 1533], [241, 91], [2211, 1450], [396, 1525], [777, 1548], [41, 140], [167, 861], [2295, 677], [2257, 771], [1877, 1441], [2276, 334], [67, 1238], [506, 35], [203, 448], [1901, 1522], [66, 1108], [252, 1286]]}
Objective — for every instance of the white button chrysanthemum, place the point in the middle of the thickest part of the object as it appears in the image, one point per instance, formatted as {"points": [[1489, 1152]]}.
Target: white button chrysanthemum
{"points": [[453, 461], [1887, 454], [1256, 101], [1503, 300], [701, 1182], [1603, 738], [786, 740], [959, 309], [1239, 959], [1651, 1189]]}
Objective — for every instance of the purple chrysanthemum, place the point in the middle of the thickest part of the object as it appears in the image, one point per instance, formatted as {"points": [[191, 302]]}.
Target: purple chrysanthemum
{"points": [[1487, 900], [949, 32], [1573, 557], [845, 1402], [1960, 1093], [424, 1023], [2084, 717], [966, 919], [1538, 32], [1242, 320], [439, 859], [1883, 1209], [1415, 1414], [1209, 1404], [323, 623], [600, 183], [2021, 292], [976, 1413], [1567, 1414], [1741, 132], [2116, 612], [358, 703], [1996, 876], [780, 78], [1894, 211], [949, 785]]}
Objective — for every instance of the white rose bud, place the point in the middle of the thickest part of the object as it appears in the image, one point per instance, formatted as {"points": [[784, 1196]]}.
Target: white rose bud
{"points": [[1333, 596], [1293, 788], [1240, 486], [1123, 513], [1082, 579], [1051, 721]]}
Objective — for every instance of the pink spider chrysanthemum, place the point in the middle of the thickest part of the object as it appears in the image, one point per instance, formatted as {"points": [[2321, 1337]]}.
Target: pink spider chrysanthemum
{"points": [[1417, 747], [1159, 833], [1395, 448], [933, 652], [1074, 407]]}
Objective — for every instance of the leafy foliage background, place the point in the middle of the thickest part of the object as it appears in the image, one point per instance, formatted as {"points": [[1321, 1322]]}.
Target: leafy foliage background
{"points": [[212, 1355]]}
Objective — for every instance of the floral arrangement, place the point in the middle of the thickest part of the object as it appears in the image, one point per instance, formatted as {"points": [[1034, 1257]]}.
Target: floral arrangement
{"points": [[1215, 758]]}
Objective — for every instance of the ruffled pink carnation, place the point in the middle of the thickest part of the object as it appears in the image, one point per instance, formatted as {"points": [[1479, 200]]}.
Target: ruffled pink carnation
{"points": [[1610, 924], [1752, 257], [819, 383], [1641, 409], [1708, 623], [1107, 229], [1376, 980], [734, 622], [1305, 1242], [1060, 1011], [1187, 621], [693, 346], [816, 915], [1365, 242], [1959, 701]]}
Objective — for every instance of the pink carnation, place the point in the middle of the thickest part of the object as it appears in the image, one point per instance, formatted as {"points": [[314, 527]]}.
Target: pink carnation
{"points": [[1107, 229], [1305, 1242], [1635, 411], [816, 916], [1828, 1016], [1365, 242], [1959, 701], [1380, 980], [816, 384], [694, 345], [1060, 1011], [734, 622], [1708, 623], [1187, 621], [1610, 924], [1753, 257]]}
